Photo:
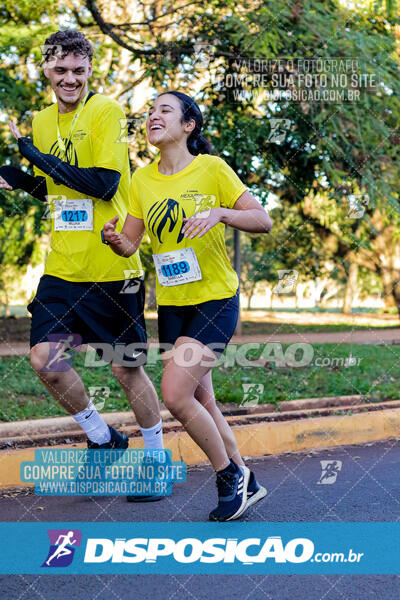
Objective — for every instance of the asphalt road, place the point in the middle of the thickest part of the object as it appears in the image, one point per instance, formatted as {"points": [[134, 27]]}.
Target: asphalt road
{"points": [[366, 489]]}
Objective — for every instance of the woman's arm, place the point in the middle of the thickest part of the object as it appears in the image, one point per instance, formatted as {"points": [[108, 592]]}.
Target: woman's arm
{"points": [[246, 215], [128, 241]]}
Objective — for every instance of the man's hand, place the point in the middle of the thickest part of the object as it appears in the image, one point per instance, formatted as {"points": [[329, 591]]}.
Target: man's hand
{"points": [[4, 185], [110, 235], [14, 130], [200, 223]]}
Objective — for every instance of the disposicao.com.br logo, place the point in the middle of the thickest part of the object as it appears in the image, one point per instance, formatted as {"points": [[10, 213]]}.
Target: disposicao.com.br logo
{"points": [[187, 550], [62, 547]]}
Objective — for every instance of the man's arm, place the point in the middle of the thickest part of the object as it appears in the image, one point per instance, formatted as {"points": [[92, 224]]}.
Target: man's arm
{"points": [[94, 181], [19, 180]]}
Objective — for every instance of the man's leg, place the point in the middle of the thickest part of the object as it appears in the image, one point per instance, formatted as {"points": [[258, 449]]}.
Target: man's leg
{"points": [[144, 402], [65, 385]]}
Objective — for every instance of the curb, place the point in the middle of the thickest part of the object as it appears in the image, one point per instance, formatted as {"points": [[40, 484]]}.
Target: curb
{"points": [[253, 440]]}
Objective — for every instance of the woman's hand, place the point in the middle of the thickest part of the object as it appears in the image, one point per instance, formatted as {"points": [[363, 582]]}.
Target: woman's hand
{"points": [[110, 235], [14, 130], [200, 223]]}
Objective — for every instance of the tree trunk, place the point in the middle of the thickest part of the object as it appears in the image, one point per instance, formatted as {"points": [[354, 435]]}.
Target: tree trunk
{"points": [[396, 290], [388, 298], [250, 296], [6, 302], [351, 287]]}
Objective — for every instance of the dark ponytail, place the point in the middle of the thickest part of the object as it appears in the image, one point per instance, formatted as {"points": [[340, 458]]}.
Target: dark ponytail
{"points": [[196, 143]]}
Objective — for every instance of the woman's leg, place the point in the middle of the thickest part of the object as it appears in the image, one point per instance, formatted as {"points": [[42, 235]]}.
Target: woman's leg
{"points": [[184, 369], [204, 393]]}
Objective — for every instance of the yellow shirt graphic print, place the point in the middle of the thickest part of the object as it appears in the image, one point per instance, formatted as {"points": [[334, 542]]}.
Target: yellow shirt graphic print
{"points": [[163, 201], [93, 141]]}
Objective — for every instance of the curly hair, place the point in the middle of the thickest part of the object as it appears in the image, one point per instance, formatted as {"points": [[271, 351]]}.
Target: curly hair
{"points": [[67, 41]]}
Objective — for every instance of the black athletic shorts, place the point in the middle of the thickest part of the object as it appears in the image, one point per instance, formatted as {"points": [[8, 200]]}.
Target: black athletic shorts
{"points": [[212, 323], [107, 315]]}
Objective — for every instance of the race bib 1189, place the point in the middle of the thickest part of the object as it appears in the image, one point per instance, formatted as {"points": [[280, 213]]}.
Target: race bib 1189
{"points": [[177, 267]]}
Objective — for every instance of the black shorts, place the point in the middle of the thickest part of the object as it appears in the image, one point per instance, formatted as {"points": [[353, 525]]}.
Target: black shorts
{"points": [[212, 323], [107, 315]]}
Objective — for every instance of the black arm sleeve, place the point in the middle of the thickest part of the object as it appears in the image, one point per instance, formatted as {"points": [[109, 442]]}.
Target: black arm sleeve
{"points": [[19, 180], [94, 181]]}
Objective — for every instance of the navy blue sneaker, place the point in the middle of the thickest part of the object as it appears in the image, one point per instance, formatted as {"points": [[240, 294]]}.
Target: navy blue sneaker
{"points": [[232, 493], [118, 441], [255, 491]]}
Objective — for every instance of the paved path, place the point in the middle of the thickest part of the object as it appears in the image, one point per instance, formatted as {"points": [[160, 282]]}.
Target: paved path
{"points": [[371, 336], [14, 349], [367, 489]]}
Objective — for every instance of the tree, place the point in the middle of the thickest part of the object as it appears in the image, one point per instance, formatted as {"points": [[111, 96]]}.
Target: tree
{"points": [[328, 153]]}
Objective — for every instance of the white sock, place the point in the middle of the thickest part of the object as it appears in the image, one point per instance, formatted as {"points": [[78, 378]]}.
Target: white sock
{"points": [[153, 437], [93, 424]]}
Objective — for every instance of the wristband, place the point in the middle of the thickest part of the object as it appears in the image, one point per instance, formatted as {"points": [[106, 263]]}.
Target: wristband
{"points": [[103, 238]]}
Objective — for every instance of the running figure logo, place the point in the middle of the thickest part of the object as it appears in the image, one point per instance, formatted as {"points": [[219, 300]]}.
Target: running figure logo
{"points": [[132, 280], [287, 281], [279, 130], [167, 213], [62, 547], [357, 205], [252, 394], [60, 357], [330, 471]]}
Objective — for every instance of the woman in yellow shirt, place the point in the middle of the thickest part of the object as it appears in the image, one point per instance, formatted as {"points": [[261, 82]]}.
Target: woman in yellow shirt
{"points": [[183, 200]]}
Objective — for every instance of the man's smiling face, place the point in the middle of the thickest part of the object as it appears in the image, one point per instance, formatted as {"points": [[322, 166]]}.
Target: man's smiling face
{"points": [[68, 77]]}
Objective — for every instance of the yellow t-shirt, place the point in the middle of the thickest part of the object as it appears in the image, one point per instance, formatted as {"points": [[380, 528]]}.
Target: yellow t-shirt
{"points": [[80, 255], [162, 201]]}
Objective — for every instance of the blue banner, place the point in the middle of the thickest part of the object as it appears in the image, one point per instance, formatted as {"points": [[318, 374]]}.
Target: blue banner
{"points": [[201, 548]]}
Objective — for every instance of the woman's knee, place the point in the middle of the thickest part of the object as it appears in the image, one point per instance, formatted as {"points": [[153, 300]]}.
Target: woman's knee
{"points": [[173, 395], [204, 393], [205, 398]]}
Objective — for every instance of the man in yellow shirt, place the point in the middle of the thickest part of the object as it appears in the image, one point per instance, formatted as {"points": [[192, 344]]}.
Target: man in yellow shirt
{"points": [[87, 295]]}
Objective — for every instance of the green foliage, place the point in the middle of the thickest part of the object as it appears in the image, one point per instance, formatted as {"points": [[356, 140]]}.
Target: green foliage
{"points": [[330, 150], [376, 376]]}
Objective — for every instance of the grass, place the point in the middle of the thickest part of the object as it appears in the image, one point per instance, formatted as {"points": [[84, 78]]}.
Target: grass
{"points": [[22, 395]]}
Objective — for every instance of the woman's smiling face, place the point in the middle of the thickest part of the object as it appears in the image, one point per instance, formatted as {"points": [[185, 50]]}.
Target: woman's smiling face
{"points": [[164, 122]]}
